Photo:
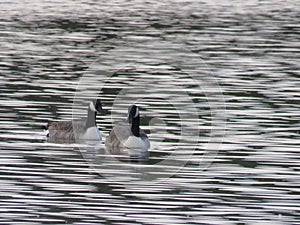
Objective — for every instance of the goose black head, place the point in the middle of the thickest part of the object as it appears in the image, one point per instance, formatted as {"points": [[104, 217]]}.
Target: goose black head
{"points": [[96, 106], [133, 112]]}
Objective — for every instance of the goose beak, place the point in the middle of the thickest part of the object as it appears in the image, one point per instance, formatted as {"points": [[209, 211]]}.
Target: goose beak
{"points": [[103, 111], [98, 107]]}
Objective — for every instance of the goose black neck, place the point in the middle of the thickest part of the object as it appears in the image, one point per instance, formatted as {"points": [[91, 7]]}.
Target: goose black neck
{"points": [[91, 118], [135, 126]]}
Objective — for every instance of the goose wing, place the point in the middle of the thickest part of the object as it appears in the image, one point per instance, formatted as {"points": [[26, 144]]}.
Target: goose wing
{"points": [[118, 135], [66, 129]]}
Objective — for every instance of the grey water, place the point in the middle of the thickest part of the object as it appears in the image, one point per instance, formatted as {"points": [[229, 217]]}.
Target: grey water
{"points": [[218, 85]]}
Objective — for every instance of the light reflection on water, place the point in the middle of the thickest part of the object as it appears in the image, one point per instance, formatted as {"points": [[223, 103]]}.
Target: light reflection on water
{"points": [[253, 51]]}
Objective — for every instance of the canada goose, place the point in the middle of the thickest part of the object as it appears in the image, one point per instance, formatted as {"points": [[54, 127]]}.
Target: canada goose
{"points": [[130, 137], [85, 129]]}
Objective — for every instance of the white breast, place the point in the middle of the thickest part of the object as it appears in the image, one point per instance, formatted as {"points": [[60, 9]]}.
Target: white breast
{"points": [[92, 133], [136, 143]]}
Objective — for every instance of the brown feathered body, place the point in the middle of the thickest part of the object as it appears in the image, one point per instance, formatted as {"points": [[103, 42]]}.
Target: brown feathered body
{"points": [[68, 130]]}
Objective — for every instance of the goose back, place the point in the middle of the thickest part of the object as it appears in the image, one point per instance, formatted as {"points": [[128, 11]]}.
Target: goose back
{"points": [[70, 130]]}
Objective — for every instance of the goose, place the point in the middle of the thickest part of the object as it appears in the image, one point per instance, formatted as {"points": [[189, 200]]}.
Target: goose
{"points": [[131, 137], [85, 129]]}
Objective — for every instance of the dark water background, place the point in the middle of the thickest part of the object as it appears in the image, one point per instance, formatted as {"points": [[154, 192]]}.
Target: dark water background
{"points": [[250, 48]]}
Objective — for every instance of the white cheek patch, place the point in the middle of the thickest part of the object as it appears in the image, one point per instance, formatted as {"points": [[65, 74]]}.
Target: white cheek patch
{"points": [[92, 107], [136, 112]]}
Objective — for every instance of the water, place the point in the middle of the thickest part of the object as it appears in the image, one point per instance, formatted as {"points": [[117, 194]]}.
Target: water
{"points": [[182, 62]]}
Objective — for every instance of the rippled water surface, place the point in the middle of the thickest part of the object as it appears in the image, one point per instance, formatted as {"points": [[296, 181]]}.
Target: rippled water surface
{"points": [[182, 62]]}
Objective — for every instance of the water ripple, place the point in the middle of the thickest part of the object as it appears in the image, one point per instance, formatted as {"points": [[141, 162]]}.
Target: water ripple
{"points": [[252, 49]]}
